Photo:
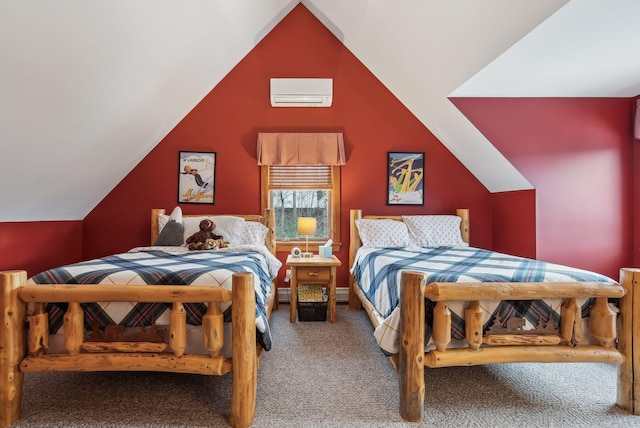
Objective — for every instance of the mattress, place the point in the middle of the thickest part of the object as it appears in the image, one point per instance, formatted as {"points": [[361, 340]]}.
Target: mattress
{"points": [[158, 266], [377, 271]]}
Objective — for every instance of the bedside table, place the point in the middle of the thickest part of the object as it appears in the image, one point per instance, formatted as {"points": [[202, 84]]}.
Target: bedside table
{"points": [[314, 270]]}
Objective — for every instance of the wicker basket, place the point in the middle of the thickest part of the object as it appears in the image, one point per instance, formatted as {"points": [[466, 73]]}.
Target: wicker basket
{"points": [[312, 304], [312, 311]]}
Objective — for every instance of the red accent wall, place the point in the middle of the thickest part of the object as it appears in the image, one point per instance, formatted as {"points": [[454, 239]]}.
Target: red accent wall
{"points": [[578, 155], [229, 118], [636, 203], [513, 220], [636, 196], [36, 246]]}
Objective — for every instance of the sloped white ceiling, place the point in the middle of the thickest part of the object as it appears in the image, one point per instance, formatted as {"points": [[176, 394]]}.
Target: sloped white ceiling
{"points": [[589, 48], [89, 88]]}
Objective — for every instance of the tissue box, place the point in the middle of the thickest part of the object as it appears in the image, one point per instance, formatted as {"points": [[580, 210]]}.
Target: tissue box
{"points": [[324, 251]]}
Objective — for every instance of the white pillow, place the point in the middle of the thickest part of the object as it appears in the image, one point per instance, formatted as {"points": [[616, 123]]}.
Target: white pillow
{"points": [[419, 229], [163, 219], [435, 230], [229, 227], [383, 233], [254, 233]]}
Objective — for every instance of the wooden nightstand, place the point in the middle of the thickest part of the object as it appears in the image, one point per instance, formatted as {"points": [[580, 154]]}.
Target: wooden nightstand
{"points": [[314, 270]]}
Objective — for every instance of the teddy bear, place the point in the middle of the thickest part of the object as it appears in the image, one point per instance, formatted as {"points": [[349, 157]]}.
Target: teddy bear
{"points": [[198, 241], [214, 244]]}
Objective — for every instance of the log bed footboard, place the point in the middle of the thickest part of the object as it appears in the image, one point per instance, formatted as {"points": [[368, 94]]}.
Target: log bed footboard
{"points": [[16, 339], [519, 347]]}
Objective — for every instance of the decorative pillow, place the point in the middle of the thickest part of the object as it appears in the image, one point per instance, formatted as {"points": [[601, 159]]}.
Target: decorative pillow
{"points": [[171, 229], [435, 230], [163, 219], [254, 233], [230, 227], [383, 233]]}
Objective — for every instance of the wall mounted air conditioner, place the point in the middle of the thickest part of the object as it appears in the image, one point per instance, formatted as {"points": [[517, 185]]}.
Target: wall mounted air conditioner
{"points": [[301, 92]]}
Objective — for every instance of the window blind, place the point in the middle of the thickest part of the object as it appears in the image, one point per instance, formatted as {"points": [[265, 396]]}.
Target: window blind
{"points": [[300, 177]]}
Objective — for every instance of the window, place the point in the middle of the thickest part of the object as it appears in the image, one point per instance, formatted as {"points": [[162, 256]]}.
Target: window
{"points": [[294, 191], [300, 176]]}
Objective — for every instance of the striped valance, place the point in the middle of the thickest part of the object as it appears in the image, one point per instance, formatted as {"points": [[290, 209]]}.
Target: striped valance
{"points": [[300, 149]]}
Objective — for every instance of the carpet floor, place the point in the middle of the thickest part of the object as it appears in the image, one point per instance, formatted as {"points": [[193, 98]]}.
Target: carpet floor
{"points": [[320, 374]]}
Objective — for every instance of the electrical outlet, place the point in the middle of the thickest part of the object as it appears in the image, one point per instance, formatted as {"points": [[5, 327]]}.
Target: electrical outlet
{"points": [[287, 276]]}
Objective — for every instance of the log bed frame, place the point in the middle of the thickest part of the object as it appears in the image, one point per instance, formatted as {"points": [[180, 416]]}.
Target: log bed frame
{"points": [[507, 348], [24, 339]]}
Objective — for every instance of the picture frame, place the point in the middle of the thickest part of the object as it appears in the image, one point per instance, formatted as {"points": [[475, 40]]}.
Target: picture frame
{"points": [[196, 177], [405, 178]]}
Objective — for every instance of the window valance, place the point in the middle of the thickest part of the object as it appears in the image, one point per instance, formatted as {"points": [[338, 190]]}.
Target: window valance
{"points": [[300, 149]]}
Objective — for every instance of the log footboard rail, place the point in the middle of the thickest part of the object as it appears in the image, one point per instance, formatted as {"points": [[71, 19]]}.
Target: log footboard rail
{"points": [[618, 335], [24, 340]]}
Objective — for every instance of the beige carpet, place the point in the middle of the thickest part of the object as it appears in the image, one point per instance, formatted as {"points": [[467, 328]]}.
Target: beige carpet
{"points": [[331, 375]]}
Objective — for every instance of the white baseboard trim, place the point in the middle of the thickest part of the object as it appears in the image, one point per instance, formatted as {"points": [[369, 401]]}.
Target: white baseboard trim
{"points": [[342, 294]]}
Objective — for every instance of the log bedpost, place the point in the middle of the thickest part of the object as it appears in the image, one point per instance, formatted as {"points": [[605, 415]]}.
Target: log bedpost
{"points": [[602, 323], [269, 220], [178, 329], [213, 330], [568, 320], [244, 352], [441, 326], [473, 325], [73, 328], [155, 227], [354, 244], [628, 395], [411, 355], [12, 345], [38, 330], [463, 213]]}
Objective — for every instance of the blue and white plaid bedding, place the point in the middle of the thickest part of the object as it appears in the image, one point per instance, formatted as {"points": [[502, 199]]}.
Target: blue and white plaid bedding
{"points": [[158, 266], [377, 271]]}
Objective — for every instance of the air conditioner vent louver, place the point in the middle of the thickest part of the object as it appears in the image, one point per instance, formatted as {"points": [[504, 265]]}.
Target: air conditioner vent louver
{"points": [[301, 92]]}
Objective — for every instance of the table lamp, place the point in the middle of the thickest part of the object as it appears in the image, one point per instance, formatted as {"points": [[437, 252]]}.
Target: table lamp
{"points": [[307, 226]]}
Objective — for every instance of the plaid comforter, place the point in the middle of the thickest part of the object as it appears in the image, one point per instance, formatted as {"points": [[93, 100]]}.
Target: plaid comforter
{"points": [[377, 271], [168, 266]]}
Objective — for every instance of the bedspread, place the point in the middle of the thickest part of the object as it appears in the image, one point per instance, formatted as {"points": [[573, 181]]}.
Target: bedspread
{"points": [[169, 265], [378, 272]]}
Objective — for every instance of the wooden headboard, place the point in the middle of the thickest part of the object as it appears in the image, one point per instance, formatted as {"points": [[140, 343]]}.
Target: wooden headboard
{"points": [[268, 219], [354, 236], [355, 242]]}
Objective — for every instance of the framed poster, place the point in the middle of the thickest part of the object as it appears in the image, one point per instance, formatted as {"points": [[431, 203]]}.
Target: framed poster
{"points": [[196, 177], [405, 178]]}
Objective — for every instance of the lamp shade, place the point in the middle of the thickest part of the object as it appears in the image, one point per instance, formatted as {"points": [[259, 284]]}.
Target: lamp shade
{"points": [[306, 226]]}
